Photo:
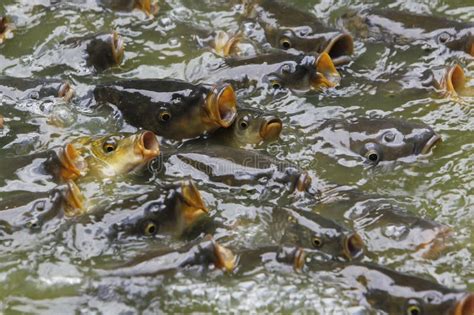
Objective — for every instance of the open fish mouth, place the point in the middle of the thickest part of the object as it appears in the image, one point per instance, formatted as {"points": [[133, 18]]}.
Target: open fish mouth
{"points": [[73, 165], [271, 129], [194, 206], [66, 91], [465, 306], [224, 44], [340, 48], [148, 7], [118, 48], [74, 200], [353, 246], [147, 145], [326, 73], [221, 105], [430, 143], [5, 29], [225, 258], [454, 80]]}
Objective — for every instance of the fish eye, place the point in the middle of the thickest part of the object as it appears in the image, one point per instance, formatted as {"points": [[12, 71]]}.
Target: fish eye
{"points": [[150, 229], [40, 206], [316, 241], [165, 116], [109, 146], [389, 136], [286, 68], [276, 85], [244, 123], [413, 308], [285, 43], [444, 37]]}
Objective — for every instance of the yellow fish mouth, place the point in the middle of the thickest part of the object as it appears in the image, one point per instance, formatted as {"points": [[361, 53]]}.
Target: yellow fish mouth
{"points": [[465, 306], [74, 200], [326, 73], [224, 44], [221, 105], [194, 206], [454, 80], [73, 164], [225, 258], [353, 246], [271, 129], [340, 46], [118, 47], [147, 145], [150, 8]]}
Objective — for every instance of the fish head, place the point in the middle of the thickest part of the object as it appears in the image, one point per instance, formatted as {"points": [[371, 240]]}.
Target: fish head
{"points": [[237, 45], [390, 139], [254, 127], [220, 109], [121, 153], [313, 232]]}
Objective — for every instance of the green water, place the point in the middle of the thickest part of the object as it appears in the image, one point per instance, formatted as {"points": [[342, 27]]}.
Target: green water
{"points": [[54, 272]]}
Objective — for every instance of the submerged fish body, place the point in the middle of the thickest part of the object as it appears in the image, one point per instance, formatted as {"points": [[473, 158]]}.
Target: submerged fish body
{"points": [[279, 71], [380, 139], [384, 225], [287, 28], [172, 109], [178, 210], [406, 28], [394, 292], [251, 127], [203, 255], [312, 231], [232, 166]]}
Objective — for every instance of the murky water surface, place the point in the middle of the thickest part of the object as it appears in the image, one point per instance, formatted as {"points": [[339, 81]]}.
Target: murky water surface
{"points": [[54, 270]]}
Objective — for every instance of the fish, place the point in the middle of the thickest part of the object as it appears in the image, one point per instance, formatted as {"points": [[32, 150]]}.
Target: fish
{"points": [[379, 139], [226, 44], [177, 210], [231, 166], [278, 71], [172, 109], [204, 255], [2, 121], [394, 292], [150, 7], [403, 27], [107, 156], [383, 224], [250, 128], [101, 51], [311, 231], [288, 28], [34, 89], [6, 29]]}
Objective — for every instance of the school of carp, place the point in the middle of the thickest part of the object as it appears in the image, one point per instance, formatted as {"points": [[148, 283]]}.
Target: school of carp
{"points": [[144, 184]]}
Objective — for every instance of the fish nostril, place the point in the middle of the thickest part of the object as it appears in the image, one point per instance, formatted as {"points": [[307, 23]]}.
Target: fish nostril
{"points": [[354, 245]]}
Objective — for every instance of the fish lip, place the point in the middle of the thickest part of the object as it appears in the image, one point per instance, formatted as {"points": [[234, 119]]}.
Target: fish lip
{"points": [[430, 143], [340, 45], [326, 75], [118, 48], [465, 306], [271, 129], [353, 246], [304, 182], [148, 145], [73, 164], [299, 261], [224, 44], [221, 105], [225, 258], [150, 9], [454, 79], [195, 206], [74, 199], [66, 91]]}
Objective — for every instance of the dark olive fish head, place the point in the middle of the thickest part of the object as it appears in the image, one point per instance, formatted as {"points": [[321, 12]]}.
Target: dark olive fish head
{"points": [[384, 139], [177, 211], [311, 231], [105, 51], [460, 41], [253, 127], [294, 72]]}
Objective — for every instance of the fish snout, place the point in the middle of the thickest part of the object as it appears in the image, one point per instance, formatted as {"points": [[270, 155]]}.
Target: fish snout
{"points": [[326, 74], [431, 140], [221, 105], [465, 306], [73, 165], [271, 128], [225, 258], [148, 145], [454, 80], [340, 48], [353, 246], [194, 206]]}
